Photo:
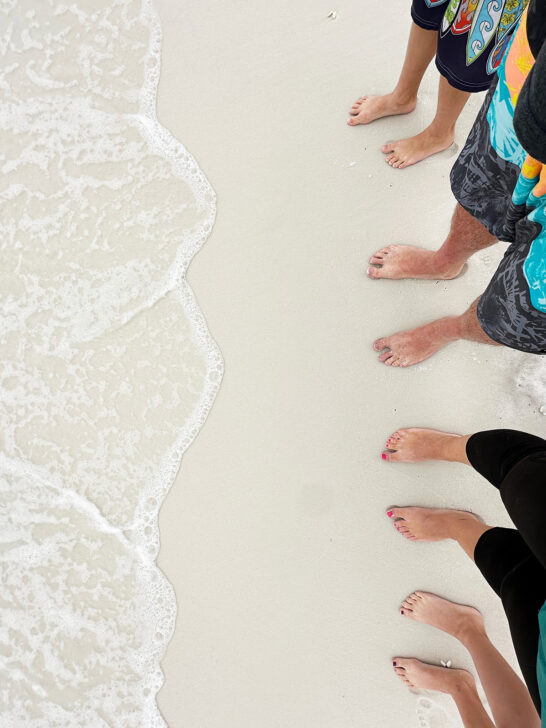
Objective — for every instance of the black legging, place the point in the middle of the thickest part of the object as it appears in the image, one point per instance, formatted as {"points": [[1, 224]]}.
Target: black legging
{"points": [[514, 561]]}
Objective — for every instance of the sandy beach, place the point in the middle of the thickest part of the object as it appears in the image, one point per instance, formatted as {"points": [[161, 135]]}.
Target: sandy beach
{"points": [[287, 573]]}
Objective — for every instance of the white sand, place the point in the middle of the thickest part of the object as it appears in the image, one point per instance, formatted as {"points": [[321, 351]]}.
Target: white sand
{"points": [[287, 573]]}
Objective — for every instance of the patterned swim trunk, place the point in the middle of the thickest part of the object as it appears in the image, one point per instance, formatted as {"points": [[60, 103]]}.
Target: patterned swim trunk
{"points": [[472, 37], [505, 189]]}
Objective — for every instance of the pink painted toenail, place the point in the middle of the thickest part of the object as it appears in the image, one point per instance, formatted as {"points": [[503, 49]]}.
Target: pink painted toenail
{"points": [[383, 456], [389, 514]]}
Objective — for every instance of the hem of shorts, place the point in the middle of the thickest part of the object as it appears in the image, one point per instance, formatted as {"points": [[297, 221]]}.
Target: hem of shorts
{"points": [[472, 88], [503, 343], [424, 24], [486, 225]]}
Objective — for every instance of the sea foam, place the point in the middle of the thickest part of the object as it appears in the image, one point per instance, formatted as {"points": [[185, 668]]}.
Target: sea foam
{"points": [[107, 371]]}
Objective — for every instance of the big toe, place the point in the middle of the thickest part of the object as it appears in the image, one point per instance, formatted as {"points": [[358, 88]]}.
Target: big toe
{"points": [[373, 271], [391, 456], [380, 344], [398, 513]]}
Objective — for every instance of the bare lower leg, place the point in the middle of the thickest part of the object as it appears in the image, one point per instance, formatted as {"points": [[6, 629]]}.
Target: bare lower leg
{"points": [[451, 101], [469, 326], [411, 347], [420, 51], [466, 237], [436, 137], [508, 697], [415, 444], [457, 683], [470, 708]]}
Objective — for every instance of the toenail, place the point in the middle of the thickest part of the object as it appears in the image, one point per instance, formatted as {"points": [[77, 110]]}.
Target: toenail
{"points": [[389, 514], [394, 663], [383, 456], [401, 611]]}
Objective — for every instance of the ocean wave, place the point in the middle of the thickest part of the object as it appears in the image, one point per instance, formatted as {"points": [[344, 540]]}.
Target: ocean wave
{"points": [[108, 369]]}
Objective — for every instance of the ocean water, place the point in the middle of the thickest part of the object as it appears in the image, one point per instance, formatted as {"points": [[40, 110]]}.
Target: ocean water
{"points": [[107, 369]]}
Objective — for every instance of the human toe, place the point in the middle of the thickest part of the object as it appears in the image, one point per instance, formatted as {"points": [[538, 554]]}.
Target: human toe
{"points": [[391, 456]]}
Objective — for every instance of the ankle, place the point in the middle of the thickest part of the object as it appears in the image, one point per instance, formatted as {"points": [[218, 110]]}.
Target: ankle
{"points": [[455, 449], [472, 633], [460, 684], [456, 524], [404, 97], [440, 131], [445, 263], [449, 328]]}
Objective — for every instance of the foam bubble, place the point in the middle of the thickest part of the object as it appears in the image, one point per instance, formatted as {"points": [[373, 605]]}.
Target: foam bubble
{"points": [[108, 369]]}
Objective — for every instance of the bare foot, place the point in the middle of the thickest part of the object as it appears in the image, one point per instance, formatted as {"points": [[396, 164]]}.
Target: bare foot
{"points": [[416, 444], [430, 524], [409, 261], [455, 619], [418, 675], [405, 152], [369, 108], [411, 347]]}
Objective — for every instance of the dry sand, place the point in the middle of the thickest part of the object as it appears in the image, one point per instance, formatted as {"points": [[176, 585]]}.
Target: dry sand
{"points": [[287, 572]]}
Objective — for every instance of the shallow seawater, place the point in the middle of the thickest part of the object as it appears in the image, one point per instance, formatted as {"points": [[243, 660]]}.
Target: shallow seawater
{"points": [[107, 369]]}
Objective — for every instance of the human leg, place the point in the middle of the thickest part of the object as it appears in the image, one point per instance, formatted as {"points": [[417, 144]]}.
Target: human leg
{"points": [[439, 524], [514, 561], [466, 236], [493, 453], [507, 695], [437, 136], [457, 683], [415, 345], [516, 576], [515, 463], [419, 53], [416, 444], [510, 561]]}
